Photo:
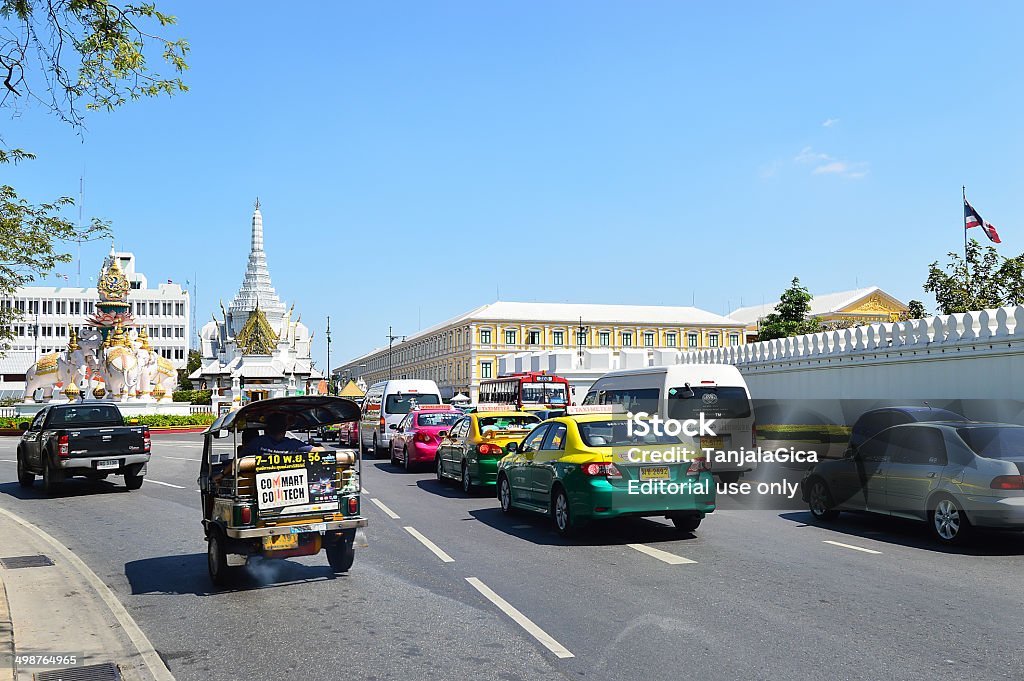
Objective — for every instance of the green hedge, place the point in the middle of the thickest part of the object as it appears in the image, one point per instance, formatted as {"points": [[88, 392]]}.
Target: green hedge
{"points": [[155, 420], [193, 396]]}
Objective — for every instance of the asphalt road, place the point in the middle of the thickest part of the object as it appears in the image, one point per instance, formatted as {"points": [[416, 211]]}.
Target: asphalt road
{"points": [[750, 595]]}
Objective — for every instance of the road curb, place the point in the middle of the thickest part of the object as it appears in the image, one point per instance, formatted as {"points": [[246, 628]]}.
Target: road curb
{"points": [[151, 660], [6, 635]]}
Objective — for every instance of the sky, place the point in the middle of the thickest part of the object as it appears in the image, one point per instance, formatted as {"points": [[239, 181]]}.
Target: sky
{"points": [[416, 160]]}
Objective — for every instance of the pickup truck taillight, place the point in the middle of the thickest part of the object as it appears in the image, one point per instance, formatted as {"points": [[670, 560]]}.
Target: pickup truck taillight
{"points": [[62, 447], [147, 444]]}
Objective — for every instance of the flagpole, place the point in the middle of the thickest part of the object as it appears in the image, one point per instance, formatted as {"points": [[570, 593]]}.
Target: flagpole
{"points": [[967, 264]]}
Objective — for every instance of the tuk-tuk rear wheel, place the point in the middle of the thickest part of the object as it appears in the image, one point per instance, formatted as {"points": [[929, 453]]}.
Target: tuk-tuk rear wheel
{"points": [[341, 555], [216, 558]]}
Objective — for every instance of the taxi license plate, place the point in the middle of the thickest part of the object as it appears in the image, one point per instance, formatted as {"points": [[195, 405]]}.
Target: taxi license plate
{"points": [[280, 541], [716, 443], [654, 473], [107, 464]]}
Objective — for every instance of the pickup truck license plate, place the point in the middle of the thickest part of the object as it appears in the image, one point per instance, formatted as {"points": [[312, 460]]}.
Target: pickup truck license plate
{"points": [[107, 464], [654, 473], [278, 542]]}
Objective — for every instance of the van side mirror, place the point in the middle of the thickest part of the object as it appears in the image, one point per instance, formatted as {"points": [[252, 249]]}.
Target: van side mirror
{"points": [[23, 426]]}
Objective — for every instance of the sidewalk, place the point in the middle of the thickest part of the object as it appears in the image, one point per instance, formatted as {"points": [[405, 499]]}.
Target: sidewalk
{"points": [[61, 608]]}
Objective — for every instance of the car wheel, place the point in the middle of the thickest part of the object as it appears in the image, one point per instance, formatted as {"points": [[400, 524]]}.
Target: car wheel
{"points": [[687, 523], [341, 555], [819, 501], [394, 459], [467, 485], [25, 478], [729, 477], [948, 521], [439, 469], [133, 482], [561, 513], [505, 494], [50, 479], [405, 459], [217, 559]]}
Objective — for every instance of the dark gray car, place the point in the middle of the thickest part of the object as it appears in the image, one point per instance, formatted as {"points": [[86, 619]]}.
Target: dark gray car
{"points": [[953, 475]]}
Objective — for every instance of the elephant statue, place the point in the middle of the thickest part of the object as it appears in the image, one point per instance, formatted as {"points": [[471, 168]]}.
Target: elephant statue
{"points": [[166, 379], [45, 374], [121, 372]]}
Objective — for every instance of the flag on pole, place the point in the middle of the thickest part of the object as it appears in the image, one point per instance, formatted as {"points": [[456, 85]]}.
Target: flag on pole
{"points": [[973, 219]]}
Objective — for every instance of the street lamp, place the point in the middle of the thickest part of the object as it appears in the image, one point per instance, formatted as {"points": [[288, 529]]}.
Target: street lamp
{"points": [[330, 376], [391, 339], [581, 333]]}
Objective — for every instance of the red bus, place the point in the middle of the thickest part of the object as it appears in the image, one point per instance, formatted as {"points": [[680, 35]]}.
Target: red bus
{"points": [[530, 390]]}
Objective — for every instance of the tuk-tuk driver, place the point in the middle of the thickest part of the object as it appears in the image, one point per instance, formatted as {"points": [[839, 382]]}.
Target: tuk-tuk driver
{"points": [[275, 437]]}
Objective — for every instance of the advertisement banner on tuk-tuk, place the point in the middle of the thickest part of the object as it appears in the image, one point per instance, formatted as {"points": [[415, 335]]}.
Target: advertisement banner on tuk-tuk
{"points": [[295, 482]]}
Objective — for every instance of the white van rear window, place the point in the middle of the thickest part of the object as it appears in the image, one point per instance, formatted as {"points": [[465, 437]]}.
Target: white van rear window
{"points": [[402, 404], [716, 402]]}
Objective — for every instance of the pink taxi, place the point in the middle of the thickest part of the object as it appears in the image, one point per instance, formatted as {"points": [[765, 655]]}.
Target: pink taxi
{"points": [[414, 440]]}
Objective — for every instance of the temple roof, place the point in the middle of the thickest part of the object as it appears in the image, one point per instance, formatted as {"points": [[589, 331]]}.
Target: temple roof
{"points": [[256, 285]]}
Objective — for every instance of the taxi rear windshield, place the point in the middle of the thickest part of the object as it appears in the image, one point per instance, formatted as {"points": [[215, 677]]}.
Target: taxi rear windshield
{"points": [[518, 422], [402, 404], [616, 434], [442, 419], [716, 402], [994, 443]]}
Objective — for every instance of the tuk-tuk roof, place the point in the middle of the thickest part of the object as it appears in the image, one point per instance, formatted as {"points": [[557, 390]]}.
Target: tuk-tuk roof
{"points": [[303, 412]]}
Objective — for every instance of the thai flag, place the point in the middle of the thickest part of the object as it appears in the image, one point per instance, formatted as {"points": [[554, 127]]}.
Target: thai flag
{"points": [[972, 219]]}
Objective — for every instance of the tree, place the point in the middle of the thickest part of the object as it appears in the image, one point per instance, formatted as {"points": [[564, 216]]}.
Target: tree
{"points": [[195, 360], [68, 57], [791, 315], [915, 310], [985, 280]]}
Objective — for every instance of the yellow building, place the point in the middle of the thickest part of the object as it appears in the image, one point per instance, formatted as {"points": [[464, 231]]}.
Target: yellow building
{"points": [[459, 353], [864, 305]]}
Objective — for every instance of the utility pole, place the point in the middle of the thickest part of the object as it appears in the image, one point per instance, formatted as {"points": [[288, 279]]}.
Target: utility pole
{"points": [[330, 376]]}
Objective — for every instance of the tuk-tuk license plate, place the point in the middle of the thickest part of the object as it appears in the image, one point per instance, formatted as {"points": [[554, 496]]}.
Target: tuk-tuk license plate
{"points": [[654, 473], [278, 542], [715, 443], [107, 464]]}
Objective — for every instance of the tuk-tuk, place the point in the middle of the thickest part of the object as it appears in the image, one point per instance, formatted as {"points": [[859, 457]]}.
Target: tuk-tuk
{"points": [[278, 498]]}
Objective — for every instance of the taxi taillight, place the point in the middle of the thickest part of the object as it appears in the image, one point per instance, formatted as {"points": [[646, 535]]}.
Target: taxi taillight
{"points": [[489, 450], [422, 437], [608, 470], [1014, 482], [697, 466], [62, 446]]}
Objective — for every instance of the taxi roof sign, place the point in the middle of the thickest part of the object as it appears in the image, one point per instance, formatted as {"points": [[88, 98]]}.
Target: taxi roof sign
{"points": [[433, 407], [495, 406], [595, 409]]}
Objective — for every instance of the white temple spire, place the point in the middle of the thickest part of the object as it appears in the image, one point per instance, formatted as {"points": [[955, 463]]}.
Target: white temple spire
{"points": [[256, 288]]}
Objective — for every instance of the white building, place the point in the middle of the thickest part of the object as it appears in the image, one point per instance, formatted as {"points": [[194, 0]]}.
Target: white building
{"points": [[49, 311]]}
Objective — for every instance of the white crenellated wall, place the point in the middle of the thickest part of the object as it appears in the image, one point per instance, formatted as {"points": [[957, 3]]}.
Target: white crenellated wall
{"points": [[973, 355]]}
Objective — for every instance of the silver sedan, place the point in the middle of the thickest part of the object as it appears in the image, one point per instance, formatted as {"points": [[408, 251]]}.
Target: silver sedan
{"points": [[953, 475]]}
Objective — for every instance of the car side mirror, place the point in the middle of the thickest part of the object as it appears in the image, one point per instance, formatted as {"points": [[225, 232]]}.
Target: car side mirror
{"points": [[442, 433], [393, 426], [23, 426], [512, 447], [850, 452]]}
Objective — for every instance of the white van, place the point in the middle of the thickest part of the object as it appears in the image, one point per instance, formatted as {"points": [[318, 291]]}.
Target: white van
{"points": [[683, 391], [386, 403]]}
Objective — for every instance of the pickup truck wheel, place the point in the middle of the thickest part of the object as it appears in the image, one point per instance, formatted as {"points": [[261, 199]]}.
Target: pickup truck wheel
{"points": [[341, 555], [133, 481], [25, 478], [217, 560], [50, 479]]}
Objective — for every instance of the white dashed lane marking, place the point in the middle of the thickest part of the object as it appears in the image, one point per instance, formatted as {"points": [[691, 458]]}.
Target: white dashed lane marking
{"points": [[434, 548], [851, 546], [165, 484], [519, 618], [380, 504], [664, 556]]}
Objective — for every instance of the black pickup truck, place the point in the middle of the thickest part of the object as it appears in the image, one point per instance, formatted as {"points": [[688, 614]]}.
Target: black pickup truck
{"points": [[87, 439]]}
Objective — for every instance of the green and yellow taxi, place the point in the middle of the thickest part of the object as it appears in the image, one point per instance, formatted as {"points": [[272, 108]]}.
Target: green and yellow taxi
{"points": [[469, 451], [587, 466]]}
